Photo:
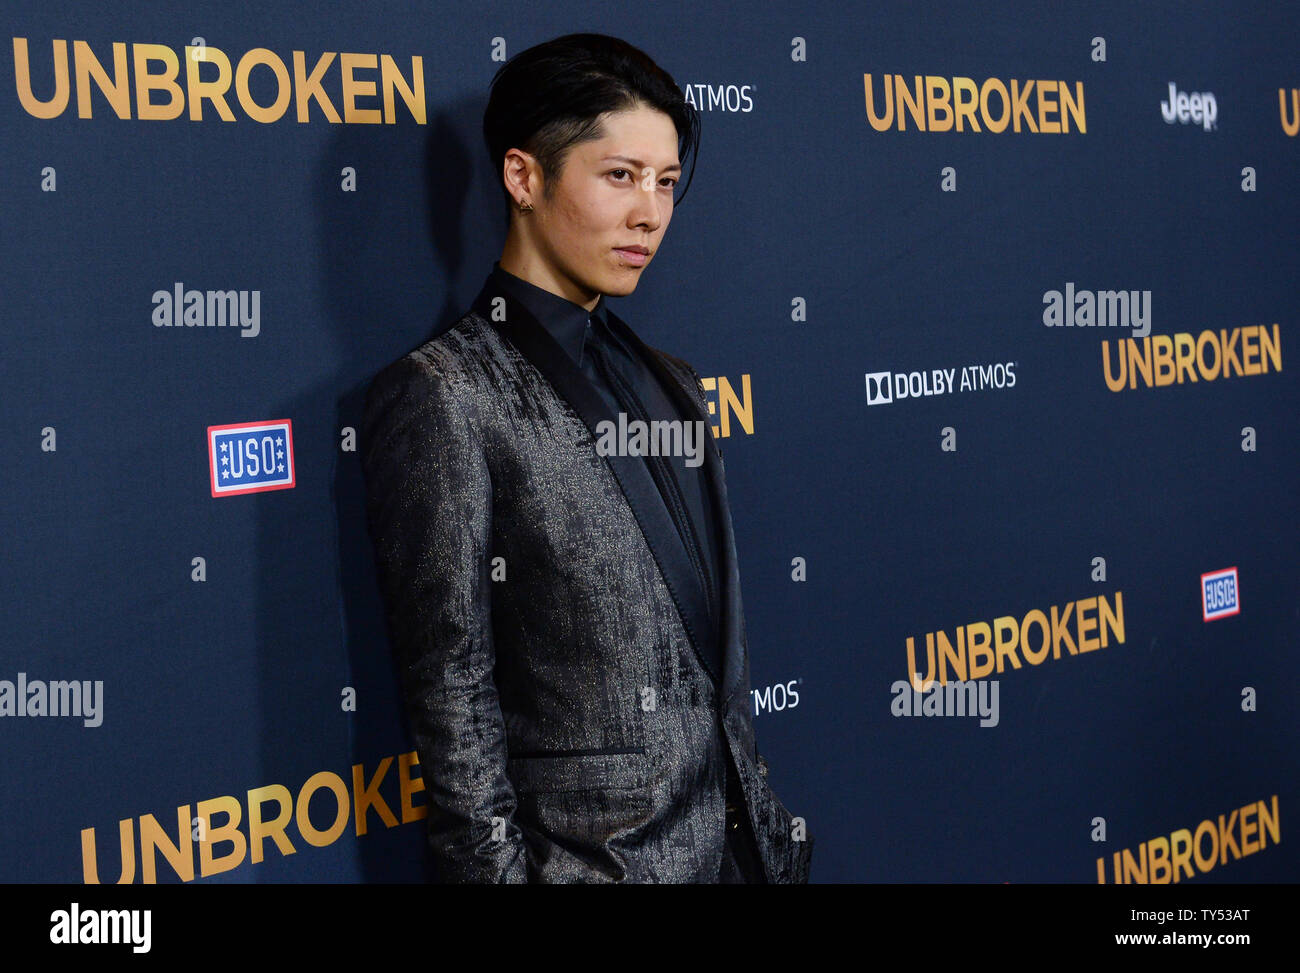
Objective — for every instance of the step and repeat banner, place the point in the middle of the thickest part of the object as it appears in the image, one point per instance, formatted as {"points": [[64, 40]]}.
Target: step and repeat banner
{"points": [[996, 308]]}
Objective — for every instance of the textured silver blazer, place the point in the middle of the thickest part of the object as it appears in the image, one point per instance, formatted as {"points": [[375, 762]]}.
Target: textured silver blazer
{"points": [[544, 614]]}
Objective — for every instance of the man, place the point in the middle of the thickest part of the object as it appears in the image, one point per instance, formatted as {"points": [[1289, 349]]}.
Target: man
{"points": [[568, 623]]}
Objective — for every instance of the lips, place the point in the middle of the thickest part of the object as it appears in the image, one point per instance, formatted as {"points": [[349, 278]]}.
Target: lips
{"points": [[634, 255]]}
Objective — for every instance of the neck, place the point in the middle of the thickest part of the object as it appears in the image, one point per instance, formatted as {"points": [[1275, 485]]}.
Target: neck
{"points": [[521, 259]]}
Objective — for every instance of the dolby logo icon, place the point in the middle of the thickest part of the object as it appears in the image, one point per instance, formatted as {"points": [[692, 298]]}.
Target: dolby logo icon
{"points": [[880, 389]]}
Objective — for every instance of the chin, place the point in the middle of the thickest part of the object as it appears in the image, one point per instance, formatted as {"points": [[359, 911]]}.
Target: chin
{"points": [[624, 287], [622, 284]]}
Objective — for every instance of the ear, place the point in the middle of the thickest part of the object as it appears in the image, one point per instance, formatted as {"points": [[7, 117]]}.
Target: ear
{"points": [[521, 175]]}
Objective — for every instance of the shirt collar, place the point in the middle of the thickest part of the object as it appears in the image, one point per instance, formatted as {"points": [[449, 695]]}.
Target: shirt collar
{"points": [[566, 321]]}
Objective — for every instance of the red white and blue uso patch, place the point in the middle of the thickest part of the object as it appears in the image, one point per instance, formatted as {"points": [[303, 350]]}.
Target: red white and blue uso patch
{"points": [[250, 457], [1219, 594]]}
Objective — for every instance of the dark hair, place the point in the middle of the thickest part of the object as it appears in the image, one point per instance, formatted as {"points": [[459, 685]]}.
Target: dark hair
{"points": [[548, 98]]}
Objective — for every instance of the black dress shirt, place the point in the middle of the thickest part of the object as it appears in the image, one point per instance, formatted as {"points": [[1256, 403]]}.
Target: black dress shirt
{"points": [[627, 385]]}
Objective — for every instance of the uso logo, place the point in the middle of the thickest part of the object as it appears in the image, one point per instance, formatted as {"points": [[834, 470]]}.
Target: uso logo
{"points": [[250, 457], [1219, 594]]}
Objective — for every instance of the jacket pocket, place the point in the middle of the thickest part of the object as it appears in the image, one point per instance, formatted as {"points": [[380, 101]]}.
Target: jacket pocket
{"points": [[542, 771]]}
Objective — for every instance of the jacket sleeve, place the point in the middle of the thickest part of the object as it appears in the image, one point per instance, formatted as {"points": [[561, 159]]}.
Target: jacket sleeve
{"points": [[429, 510]]}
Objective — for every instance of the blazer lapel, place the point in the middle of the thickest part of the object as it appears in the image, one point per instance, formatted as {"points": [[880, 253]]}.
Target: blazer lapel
{"points": [[729, 597], [535, 343]]}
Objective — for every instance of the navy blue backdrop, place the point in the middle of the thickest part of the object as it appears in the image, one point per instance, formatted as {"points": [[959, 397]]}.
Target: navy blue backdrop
{"points": [[195, 682]]}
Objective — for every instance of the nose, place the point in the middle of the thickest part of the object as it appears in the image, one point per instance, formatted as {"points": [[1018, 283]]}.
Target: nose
{"points": [[645, 212]]}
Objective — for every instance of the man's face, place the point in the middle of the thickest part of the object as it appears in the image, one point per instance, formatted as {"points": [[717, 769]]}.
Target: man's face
{"points": [[612, 193]]}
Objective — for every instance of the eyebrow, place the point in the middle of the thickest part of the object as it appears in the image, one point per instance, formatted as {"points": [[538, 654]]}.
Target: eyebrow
{"points": [[675, 167]]}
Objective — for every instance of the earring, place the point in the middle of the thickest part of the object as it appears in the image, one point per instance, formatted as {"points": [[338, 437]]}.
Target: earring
{"points": [[525, 207]]}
